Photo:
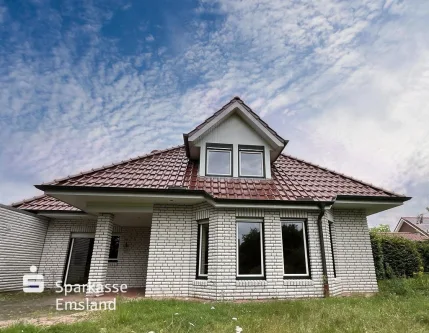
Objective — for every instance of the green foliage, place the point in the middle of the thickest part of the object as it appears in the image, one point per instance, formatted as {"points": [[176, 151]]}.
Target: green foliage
{"points": [[380, 228], [401, 306], [423, 248], [395, 256], [378, 256]]}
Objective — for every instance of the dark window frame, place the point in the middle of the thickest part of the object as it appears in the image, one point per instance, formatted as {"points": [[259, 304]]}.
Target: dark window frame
{"points": [[198, 275], [262, 276], [331, 240], [111, 259], [307, 249], [251, 149], [220, 147]]}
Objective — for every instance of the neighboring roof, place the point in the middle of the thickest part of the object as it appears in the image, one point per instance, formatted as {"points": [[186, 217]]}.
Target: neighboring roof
{"points": [[407, 235], [237, 99], [424, 226], [412, 221], [292, 180]]}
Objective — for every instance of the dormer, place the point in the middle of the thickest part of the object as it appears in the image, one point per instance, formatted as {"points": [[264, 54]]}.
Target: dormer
{"points": [[234, 142]]}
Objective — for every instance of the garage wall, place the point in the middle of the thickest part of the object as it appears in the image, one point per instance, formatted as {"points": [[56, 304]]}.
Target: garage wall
{"points": [[22, 236]]}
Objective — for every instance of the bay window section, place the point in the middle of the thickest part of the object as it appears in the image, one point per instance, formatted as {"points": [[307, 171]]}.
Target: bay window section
{"points": [[251, 161], [203, 250], [295, 249], [250, 247]]}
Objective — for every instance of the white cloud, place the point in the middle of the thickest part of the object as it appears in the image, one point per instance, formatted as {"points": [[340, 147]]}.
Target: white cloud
{"points": [[346, 82]]}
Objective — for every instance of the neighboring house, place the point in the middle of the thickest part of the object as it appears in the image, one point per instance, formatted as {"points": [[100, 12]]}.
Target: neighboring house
{"points": [[414, 228], [225, 216]]}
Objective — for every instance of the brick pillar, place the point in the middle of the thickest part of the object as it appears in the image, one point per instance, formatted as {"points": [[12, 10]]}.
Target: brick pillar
{"points": [[100, 254]]}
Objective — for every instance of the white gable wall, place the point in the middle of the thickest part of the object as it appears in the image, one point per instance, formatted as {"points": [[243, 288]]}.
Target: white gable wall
{"points": [[235, 131]]}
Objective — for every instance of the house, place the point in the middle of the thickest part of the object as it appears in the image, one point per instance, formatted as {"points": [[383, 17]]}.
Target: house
{"points": [[413, 228], [225, 216]]}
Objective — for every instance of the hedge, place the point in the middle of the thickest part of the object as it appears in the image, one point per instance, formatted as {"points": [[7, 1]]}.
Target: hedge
{"points": [[397, 256], [423, 248]]}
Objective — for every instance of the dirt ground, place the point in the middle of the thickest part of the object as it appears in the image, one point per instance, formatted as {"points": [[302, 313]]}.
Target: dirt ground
{"points": [[40, 309]]}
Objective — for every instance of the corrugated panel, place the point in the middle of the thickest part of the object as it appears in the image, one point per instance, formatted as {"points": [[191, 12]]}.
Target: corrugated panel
{"points": [[22, 238], [202, 214], [249, 212], [285, 213]]}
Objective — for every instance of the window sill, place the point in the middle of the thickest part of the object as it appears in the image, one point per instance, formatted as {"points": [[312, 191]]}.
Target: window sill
{"points": [[245, 283], [250, 278], [298, 282], [200, 282]]}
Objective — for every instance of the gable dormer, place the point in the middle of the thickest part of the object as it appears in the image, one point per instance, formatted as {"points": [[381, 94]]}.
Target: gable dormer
{"points": [[234, 142]]}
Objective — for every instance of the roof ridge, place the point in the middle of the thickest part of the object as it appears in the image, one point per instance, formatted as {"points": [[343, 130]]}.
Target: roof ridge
{"points": [[344, 176], [55, 181]]}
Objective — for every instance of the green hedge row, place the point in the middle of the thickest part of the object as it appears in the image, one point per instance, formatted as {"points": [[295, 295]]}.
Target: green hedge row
{"points": [[398, 257]]}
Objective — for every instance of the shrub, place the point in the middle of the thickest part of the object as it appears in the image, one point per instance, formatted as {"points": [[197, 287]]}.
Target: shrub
{"points": [[395, 256], [378, 256], [423, 248]]}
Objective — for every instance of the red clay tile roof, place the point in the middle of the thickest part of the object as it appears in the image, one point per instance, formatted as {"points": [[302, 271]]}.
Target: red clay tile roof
{"points": [[44, 202], [407, 235], [292, 179]]}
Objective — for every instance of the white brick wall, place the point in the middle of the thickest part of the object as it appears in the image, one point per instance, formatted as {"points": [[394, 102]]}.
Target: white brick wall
{"points": [[173, 254], [171, 258], [130, 269], [22, 236], [100, 253], [354, 260]]}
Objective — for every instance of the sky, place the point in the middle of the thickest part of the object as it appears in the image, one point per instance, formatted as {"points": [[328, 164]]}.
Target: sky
{"points": [[91, 82]]}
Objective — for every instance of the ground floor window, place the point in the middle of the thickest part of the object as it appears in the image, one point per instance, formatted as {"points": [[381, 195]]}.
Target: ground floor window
{"points": [[203, 250], [295, 249], [250, 256], [114, 248]]}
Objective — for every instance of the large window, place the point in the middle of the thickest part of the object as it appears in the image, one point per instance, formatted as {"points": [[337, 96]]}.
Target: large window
{"points": [[114, 248], [332, 248], [219, 160], [203, 250], [250, 244], [251, 161], [295, 252]]}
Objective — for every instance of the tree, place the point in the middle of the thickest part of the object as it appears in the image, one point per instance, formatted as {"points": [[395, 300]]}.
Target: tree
{"points": [[381, 228]]}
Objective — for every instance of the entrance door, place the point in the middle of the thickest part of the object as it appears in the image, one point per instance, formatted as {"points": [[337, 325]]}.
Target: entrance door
{"points": [[79, 260]]}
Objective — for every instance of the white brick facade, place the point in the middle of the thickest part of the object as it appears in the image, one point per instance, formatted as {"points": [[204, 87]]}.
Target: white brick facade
{"points": [[130, 269], [163, 258], [173, 254]]}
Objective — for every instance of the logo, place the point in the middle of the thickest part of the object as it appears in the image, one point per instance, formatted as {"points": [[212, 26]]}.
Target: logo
{"points": [[33, 283]]}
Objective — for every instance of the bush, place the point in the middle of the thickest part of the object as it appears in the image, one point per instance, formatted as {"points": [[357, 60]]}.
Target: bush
{"points": [[377, 252], [423, 248], [395, 256]]}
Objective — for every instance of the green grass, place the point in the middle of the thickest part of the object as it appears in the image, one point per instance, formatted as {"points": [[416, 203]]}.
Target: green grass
{"points": [[401, 306]]}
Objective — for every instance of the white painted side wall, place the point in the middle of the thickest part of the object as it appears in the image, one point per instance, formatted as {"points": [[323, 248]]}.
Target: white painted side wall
{"points": [[235, 131], [22, 236]]}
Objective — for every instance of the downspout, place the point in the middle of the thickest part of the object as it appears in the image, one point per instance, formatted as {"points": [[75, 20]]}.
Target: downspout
{"points": [[322, 251]]}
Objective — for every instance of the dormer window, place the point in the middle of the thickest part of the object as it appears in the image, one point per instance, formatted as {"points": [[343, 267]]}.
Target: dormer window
{"points": [[218, 160], [251, 161]]}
